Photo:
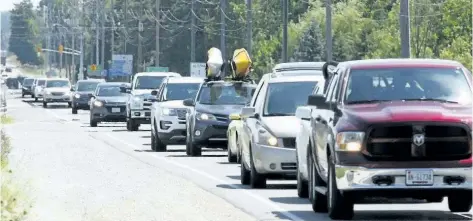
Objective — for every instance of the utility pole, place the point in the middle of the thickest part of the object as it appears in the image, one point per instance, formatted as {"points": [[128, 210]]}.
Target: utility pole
{"points": [[102, 41], [124, 26], [328, 29], [284, 32], [112, 39], [192, 31], [223, 46], [158, 20], [405, 29], [97, 30], [140, 49], [249, 17]]}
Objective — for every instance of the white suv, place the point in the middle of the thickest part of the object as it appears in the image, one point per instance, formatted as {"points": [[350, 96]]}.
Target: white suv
{"points": [[168, 114], [268, 140]]}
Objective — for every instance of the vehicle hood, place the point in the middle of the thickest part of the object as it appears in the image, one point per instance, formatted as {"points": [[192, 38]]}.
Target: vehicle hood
{"points": [[173, 104], [361, 115], [84, 92], [282, 126], [115, 99], [218, 109], [57, 89]]}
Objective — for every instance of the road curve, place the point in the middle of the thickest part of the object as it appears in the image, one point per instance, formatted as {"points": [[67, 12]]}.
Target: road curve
{"points": [[75, 172]]}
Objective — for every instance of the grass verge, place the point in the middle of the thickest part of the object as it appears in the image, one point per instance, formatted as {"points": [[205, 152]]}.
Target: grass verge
{"points": [[5, 119], [12, 200]]}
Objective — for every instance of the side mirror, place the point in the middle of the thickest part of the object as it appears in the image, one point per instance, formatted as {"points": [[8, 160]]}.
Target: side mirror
{"points": [[303, 113], [235, 117], [318, 100], [247, 112], [189, 102], [154, 92]]}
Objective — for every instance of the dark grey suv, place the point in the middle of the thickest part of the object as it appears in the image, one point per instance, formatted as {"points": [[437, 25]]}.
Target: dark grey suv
{"points": [[82, 92], [108, 104]]}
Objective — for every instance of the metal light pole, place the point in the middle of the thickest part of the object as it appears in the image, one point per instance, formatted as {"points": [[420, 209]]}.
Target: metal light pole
{"points": [[158, 17], [405, 29], [284, 33]]}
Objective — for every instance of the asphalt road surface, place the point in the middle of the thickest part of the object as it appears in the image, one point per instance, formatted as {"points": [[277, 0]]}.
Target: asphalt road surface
{"points": [[75, 172]]}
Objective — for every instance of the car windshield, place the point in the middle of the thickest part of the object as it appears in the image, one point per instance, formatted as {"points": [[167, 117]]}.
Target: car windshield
{"points": [[110, 91], [41, 82], [28, 82], [181, 91], [57, 83], [282, 99], [87, 86], [148, 82], [441, 84], [226, 94]]}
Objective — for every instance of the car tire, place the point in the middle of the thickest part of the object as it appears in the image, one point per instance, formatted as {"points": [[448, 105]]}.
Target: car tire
{"points": [[318, 200], [340, 207], [195, 150], [188, 143], [74, 110], [160, 146], [232, 158], [131, 125], [35, 99], [245, 175], [257, 180], [459, 202], [22, 95], [93, 123], [69, 104], [153, 141], [302, 185], [45, 105], [32, 96]]}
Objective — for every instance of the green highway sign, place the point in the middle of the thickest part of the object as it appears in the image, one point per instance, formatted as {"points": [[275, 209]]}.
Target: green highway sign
{"points": [[157, 69]]}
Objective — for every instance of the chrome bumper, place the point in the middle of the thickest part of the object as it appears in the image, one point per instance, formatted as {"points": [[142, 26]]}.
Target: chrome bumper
{"points": [[360, 178], [274, 159]]}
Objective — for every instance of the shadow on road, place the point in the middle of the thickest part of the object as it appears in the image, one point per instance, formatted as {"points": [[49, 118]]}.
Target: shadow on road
{"points": [[379, 215], [268, 186], [198, 156], [289, 200], [152, 151], [223, 162], [146, 137], [234, 177]]}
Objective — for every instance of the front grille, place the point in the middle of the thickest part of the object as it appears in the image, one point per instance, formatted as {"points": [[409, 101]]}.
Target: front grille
{"points": [[57, 93], [221, 117], [147, 105], [115, 104], [181, 114], [289, 142], [396, 142]]}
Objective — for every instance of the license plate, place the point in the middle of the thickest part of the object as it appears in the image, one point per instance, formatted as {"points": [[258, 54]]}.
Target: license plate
{"points": [[419, 177], [115, 110]]}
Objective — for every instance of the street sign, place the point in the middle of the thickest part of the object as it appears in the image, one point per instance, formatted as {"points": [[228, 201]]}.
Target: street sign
{"points": [[157, 69], [122, 65], [197, 69]]}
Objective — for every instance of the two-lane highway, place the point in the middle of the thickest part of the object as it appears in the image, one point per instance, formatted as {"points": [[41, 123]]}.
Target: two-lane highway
{"points": [[107, 173]]}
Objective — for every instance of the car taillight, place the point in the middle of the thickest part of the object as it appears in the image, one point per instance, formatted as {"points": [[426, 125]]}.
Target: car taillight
{"points": [[466, 161]]}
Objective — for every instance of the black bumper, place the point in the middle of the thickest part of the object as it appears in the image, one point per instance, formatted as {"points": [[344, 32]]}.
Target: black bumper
{"points": [[81, 104], [26, 91], [173, 137], [212, 133]]}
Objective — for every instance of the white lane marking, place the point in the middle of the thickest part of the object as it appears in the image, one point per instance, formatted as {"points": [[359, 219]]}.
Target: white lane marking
{"points": [[463, 215], [248, 193]]}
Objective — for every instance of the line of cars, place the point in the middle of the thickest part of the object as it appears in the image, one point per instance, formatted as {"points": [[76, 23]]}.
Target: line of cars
{"points": [[345, 131]]}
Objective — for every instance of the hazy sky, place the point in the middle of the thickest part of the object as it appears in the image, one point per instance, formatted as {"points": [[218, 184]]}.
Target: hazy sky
{"points": [[7, 5]]}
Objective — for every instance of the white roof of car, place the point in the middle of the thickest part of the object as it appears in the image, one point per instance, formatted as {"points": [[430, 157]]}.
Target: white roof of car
{"points": [[56, 79], [157, 74], [300, 78], [183, 80]]}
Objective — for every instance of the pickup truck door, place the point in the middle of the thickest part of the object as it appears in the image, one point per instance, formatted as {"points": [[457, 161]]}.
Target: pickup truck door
{"points": [[323, 135]]}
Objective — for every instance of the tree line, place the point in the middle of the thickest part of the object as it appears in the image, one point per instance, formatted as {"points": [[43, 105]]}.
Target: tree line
{"points": [[361, 29]]}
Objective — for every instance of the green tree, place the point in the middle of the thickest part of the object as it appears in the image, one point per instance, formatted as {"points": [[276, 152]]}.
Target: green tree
{"points": [[311, 47], [23, 33]]}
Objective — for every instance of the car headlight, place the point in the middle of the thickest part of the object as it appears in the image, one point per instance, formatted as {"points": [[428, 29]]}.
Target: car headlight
{"points": [[98, 103], [349, 141], [204, 116], [266, 138], [77, 96], [136, 102], [169, 112]]}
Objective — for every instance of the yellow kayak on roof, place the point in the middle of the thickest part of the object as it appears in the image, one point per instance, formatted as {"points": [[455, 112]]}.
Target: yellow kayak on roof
{"points": [[241, 63]]}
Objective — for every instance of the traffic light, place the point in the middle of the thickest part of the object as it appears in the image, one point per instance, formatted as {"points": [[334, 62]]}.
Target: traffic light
{"points": [[61, 48]]}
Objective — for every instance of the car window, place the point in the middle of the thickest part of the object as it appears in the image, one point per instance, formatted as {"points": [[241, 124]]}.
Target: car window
{"points": [[57, 83], [333, 96], [180, 91], [226, 94], [148, 82], [109, 91], [87, 86], [41, 82], [411, 83], [283, 98], [28, 82]]}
